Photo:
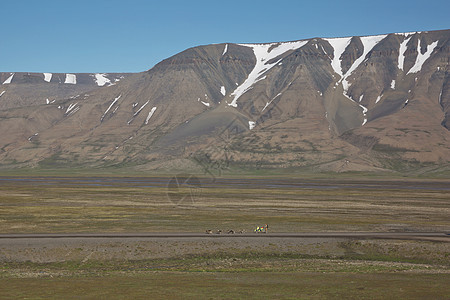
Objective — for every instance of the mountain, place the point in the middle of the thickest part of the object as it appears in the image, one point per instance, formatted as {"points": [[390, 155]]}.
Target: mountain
{"points": [[367, 103]]}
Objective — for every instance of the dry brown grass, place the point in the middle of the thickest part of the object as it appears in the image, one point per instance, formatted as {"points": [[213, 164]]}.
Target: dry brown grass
{"points": [[53, 207]]}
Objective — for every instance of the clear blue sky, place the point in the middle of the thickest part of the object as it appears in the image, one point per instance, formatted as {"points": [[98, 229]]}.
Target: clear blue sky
{"points": [[134, 35]]}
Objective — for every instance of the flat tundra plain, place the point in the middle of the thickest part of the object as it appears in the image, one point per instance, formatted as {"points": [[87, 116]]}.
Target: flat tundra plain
{"points": [[316, 230]]}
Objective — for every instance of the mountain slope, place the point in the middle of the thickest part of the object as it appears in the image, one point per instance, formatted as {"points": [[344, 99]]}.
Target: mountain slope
{"points": [[339, 104], [24, 89]]}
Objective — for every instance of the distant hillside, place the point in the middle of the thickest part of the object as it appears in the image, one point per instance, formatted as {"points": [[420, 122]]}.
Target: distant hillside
{"points": [[373, 103]]}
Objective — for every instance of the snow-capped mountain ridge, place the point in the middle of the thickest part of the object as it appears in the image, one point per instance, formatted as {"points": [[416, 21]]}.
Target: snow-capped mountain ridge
{"points": [[23, 89], [100, 79], [406, 34], [312, 102], [265, 52]]}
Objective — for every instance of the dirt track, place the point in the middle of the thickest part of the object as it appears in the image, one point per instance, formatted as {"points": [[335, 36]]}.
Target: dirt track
{"points": [[445, 237]]}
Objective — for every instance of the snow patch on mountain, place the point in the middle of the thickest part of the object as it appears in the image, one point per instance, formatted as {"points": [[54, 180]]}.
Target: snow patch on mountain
{"points": [[31, 137], [101, 79], [71, 79], [365, 110], [364, 114], [205, 103], [270, 102], [339, 45], [401, 53], [378, 99], [223, 91], [1, 94], [118, 79], [137, 112], [150, 114], [323, 50], [225, 49], [421, 58], [7, 81], [368, 43], [393, 84], [48, 77], [73, 108], [408, 33], [251, 125], [111, 105], [141, 108], [263, 54]]}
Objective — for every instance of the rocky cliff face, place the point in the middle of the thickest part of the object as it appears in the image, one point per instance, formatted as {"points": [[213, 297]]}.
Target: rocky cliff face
{"points": [[339, 104]]}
